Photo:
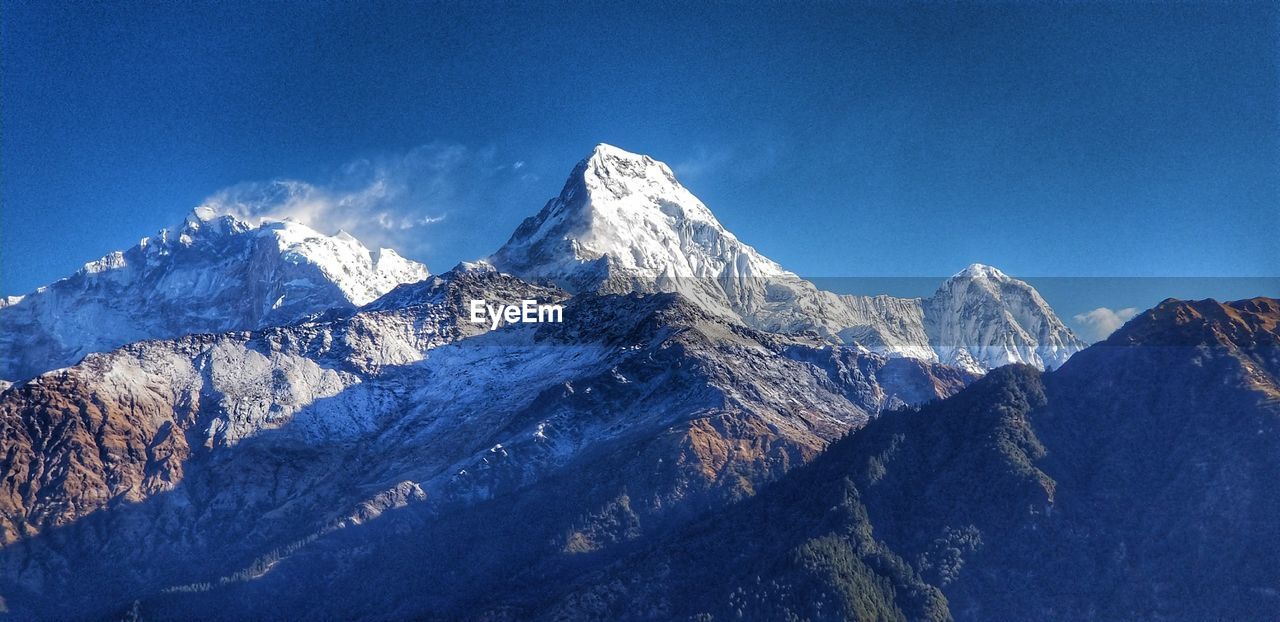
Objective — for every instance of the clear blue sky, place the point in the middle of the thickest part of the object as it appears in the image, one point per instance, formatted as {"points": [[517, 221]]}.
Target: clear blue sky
{"points": [[1048, 140]]}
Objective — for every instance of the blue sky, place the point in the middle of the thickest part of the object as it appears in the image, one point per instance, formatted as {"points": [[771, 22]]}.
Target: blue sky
{"points": [[1049, 140]]}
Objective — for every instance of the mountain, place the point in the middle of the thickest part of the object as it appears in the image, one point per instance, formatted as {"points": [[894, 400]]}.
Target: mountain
{"points": [[1136, 482], [215, 273], [396, 460], [151, 406], [983, 318], [202, 462], [647, 463], [624, 223]]}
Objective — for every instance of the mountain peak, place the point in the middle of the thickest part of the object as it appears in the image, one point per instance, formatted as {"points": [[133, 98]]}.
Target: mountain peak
{"points": [[207, 220], [203, 213], [624, 223], [605, 150], [617, 179], [987, 315], [615, 158], [624, 215], [220, 273], [1176, 322], [980, 271], [609, 161]]}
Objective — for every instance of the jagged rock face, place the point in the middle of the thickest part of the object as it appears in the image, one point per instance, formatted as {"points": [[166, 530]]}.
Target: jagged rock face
{"points": [[120, 425], [637, 411], [616, 200], [215, 274], [982, 318], [624, 223], [1136, 482], [313, 468]]}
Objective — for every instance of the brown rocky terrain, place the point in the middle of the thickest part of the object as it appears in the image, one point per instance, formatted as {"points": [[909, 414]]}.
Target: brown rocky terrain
{"points": [[200, 463]]}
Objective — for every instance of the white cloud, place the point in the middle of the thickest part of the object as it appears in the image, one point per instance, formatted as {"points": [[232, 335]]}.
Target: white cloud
{"points": [[384, 201], [702, 161], [1101, 322], [743, 161]]}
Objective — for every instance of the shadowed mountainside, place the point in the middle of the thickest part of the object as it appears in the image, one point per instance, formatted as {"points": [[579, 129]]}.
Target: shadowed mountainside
{"points": [[1137, 482]]}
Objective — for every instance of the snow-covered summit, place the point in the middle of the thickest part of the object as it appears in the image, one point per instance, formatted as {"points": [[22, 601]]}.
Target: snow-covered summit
{"points": [[981, 271], [984, 316], [623, 222], [213, 273], [623, 218]]}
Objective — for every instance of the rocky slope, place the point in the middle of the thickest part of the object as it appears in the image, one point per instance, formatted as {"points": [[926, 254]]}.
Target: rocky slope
{"points": [[624, 223], [120, 425], [982, 318], [202, 462], [215, 273], [1136, 482], [396, 460]]}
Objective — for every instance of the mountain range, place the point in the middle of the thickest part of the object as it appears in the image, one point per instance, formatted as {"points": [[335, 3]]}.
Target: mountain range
{"points": [[214, 273], [261, 421], [1136, 482], [624, 223]]}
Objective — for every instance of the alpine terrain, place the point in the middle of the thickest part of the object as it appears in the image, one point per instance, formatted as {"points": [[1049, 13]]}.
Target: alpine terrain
{"points": [[1136, 482], [214, 273], [623, 223], [266, 422]]}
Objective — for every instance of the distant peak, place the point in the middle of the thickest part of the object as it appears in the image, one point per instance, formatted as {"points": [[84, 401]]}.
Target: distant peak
{"points": [[207, 213], [204, 213], [207, 220], [608, 161], [614, 175], [605, 150], [980, 271], [1175, 322], [624, 212], [474, 266]]}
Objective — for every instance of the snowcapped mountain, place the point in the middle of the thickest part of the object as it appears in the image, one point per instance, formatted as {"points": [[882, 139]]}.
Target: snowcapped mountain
{"points": [[1146, 460], [288, 402], [624, 223], [983, 317], [329, 381], [215, 273], [198, 457], [624, 216]]}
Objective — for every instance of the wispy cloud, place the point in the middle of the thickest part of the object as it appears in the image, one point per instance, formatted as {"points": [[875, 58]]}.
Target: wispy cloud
{"points": [[385, 200], [741, 162], [702, 161], [1101, 322]]}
